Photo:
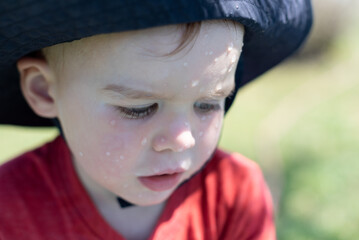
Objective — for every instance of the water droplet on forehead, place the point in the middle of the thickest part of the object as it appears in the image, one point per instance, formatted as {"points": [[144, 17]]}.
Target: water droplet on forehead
{"points": [[144, 141], [122, 157], [185, 64], [195, 83], [230, 47], [108, 154], [230, 68], [186, 124], [216, 59], [237, 6], [210, 53], [219, 86]]}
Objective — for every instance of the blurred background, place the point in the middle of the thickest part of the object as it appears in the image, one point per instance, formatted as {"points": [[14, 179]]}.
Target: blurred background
{"points": [[300, 122]]}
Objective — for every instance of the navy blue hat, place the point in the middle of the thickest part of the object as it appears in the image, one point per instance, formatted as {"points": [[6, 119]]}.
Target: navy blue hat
{"points": [[274, 29]]}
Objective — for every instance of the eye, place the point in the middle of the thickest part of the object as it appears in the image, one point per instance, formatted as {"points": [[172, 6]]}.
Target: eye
{"points": [[137, 113], [205, 108]]}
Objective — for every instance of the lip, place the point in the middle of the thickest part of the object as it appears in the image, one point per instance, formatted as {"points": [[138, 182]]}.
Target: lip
{"points": [[161, 182]]}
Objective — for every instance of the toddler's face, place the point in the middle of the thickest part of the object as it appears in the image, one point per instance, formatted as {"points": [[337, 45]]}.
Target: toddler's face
{"points": [[140, 123]]}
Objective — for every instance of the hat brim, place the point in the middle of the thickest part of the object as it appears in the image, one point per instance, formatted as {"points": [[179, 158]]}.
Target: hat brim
{"points": [[274, 30]]}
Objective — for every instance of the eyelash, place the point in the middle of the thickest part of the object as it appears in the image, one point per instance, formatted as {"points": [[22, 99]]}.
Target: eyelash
{"points": [[138, 113], [206, 108], [144, 112]]}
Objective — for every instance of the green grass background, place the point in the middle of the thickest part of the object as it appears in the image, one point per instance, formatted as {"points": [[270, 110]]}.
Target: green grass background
{"points": [[300, 122]]}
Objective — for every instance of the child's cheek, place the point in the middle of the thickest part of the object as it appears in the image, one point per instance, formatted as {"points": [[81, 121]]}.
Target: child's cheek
{"points": [[208, 134], [120, 146]]}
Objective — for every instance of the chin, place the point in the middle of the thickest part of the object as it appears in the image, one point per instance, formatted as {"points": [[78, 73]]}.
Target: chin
{"points": [[150, 198]]}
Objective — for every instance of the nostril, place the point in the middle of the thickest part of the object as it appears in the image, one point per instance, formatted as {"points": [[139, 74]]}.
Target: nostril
{"points": [[177, 137]]}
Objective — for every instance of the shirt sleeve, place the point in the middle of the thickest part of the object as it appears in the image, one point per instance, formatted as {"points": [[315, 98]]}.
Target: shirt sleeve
{"points": [[251, 216]]}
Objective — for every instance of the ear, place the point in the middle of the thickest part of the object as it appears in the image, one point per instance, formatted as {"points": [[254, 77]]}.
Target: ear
{"points": [[37, 82]]}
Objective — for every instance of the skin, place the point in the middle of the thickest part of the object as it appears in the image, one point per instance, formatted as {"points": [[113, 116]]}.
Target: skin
{"points": [[127, 110]]}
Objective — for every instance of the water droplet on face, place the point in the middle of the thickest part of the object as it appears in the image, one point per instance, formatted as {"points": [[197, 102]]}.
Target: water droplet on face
{"points": [[144, 141], [162, 140], [230, 47], [237, 6], [185, 64], [219, 86], [204, 118], [216, 125], [117, 160], [200, 134], [113, 123], [206, 35], [216, 60], [206, 53], [122, 157], [210, 53], [81, 154], [234, 58], [185, 165], [108, 154], [186, 124], [180, 150], [230, 68], [195, 83]]}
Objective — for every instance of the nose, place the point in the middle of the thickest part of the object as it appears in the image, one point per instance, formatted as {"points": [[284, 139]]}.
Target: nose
{"points": [[176, 136]]}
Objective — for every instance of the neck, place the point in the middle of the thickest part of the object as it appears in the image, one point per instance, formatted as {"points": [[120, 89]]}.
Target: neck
{"points": [[135, 222]]}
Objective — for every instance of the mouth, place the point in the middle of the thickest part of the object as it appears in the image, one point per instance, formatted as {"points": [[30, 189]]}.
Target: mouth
{"points": [[161, 182]]}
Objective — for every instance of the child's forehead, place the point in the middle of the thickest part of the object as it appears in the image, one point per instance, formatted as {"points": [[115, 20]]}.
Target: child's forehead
{"points": [[161, 41], [141, 57]]}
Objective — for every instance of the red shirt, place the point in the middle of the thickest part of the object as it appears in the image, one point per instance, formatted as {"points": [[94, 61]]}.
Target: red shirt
{"points": [[41, 197]]}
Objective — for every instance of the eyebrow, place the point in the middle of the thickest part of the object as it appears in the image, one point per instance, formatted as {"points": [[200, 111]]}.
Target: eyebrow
{"points": [[132, 93], [223, 92]]}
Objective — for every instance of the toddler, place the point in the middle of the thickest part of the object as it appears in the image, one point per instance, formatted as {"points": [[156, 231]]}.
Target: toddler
{"points": [[140, 111]]}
